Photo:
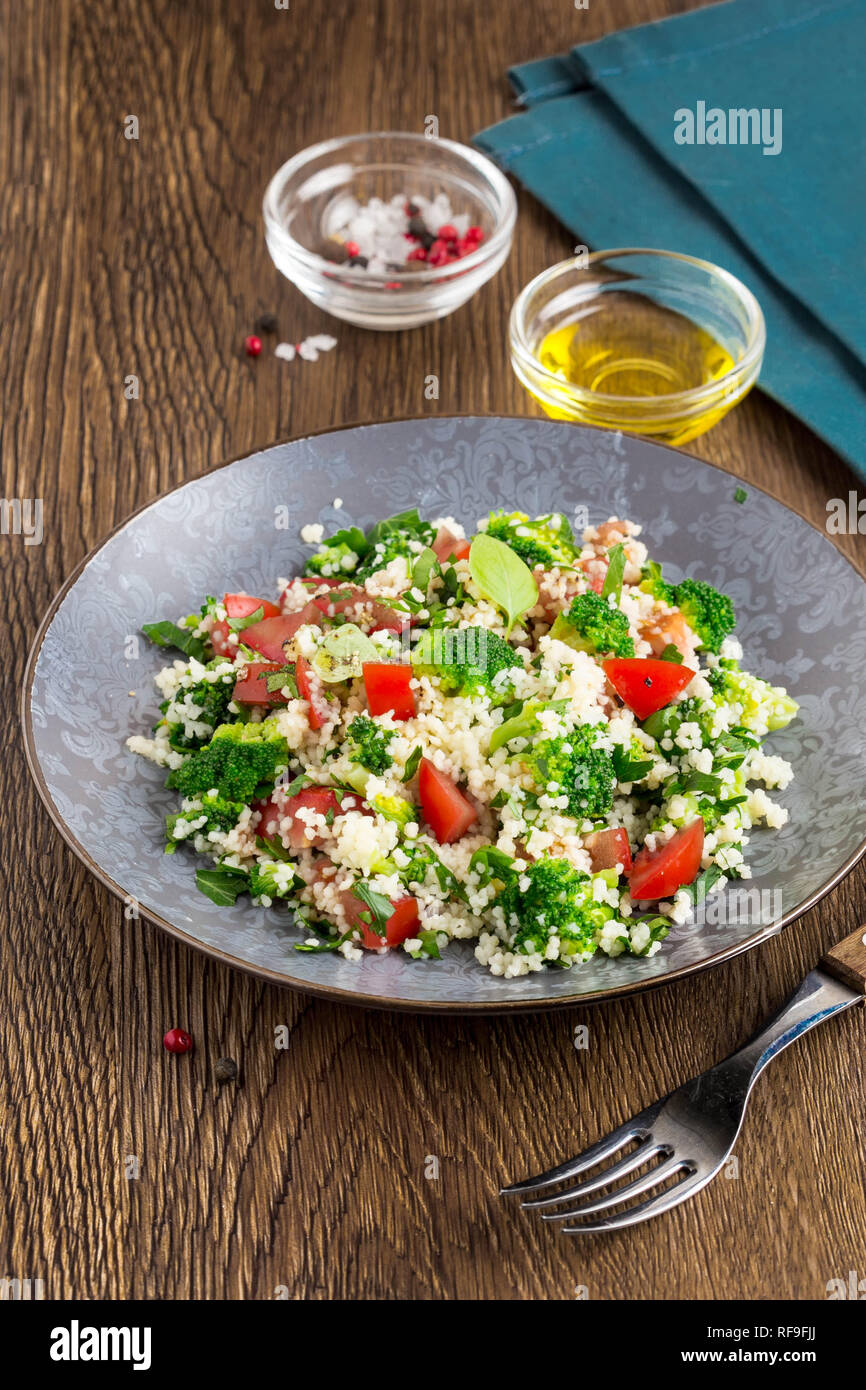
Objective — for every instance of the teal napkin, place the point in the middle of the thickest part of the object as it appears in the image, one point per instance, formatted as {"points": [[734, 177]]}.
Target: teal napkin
{"points": [[596, 144]]}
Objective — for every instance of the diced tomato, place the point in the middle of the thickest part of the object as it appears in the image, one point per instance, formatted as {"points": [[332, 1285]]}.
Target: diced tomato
{"points": [[446, 545], [402, 923], [388, 688], [607, 848], [447, 811], [271, 811], [353, 597], [251, 685], [238, 606], [644, 683], [659, 873], [270, 636], [323, 800], [310, 689], [595, 569]]}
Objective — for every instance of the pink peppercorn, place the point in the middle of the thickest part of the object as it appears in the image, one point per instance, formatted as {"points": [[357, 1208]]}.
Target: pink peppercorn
{"points": [[417, 254], [447, 232], [352, 248], [177, 1040], [252, 345]]}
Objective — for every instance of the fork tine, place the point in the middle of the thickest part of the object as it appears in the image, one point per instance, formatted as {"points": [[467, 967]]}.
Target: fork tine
{"points": [[627, 1164], [653, 1206], [622, 1194], [640, 1127]]}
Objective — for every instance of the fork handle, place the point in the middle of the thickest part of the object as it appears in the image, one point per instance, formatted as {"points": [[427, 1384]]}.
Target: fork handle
{"points": [[839, 983], [847, 960]]}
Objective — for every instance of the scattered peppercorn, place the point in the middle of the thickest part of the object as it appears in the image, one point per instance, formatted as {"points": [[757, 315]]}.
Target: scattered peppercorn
{"points": [[177, 1040], [226, 1069], [352, 249], [266, 323], [253, 345]]}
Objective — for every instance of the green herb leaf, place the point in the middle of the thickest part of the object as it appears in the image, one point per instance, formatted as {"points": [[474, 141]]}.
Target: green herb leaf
{"points": [[381, 908], [492, 863], [401, 521], [740, 495], [238, 624], [222, 885], [615, 571], [627, 767], [423, 568], [524, 724], [705, 880], [412, 762], [166, 634], [286, 676], [672, 653], [430, 946], [502, 577], [271, 845]]}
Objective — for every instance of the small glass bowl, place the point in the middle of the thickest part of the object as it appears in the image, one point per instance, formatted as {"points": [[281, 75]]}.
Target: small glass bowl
{"points": [[634, 309], [303, 200]]}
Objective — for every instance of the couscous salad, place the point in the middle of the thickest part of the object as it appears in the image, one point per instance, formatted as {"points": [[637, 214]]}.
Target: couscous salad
{"points": [[526, 739]]}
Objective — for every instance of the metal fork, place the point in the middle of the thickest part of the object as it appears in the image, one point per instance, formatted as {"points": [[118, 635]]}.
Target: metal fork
{"points": [[689, 1135]]}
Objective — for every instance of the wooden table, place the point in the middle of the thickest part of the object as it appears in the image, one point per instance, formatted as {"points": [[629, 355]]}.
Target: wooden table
{"points": [[146, 257]]}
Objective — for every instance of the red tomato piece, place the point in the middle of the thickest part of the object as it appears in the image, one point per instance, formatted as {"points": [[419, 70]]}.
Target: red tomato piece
{"points": [[321, 800], [447, 811], [402, 923], [659, 873], [238, 606], [310, 689], [271, 811], [251, 685], [608, 848], [644, 683], [388, 688], [353, 597], [270, 636], [446, 545]]}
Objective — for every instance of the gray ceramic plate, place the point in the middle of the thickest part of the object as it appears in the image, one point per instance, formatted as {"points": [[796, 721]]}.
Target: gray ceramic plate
{"points": [[802, 621]]}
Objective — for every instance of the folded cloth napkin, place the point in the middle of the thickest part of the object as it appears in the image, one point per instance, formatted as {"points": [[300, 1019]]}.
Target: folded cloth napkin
{"points": [[621, 139]]}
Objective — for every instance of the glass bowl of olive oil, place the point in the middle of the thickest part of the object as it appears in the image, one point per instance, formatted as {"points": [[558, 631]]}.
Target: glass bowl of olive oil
{"points": [[650, 342]]}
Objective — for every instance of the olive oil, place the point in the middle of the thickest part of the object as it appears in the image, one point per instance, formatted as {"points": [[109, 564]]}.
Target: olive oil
{"points": [[630, 350]]}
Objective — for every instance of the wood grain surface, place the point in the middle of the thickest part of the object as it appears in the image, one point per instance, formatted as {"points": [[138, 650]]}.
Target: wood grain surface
{"points": [[310, 1176]]}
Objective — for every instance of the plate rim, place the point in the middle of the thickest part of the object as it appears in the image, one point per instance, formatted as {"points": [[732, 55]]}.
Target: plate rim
{"points": [[334, 992]]}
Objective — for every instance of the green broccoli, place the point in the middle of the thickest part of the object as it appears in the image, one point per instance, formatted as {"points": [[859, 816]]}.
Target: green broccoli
{"points": [[469, 661], [593, 625], [221, 815], [761, 707], [272, 879], [557, 901], [709, 613], [334, 560], [547, 540], [237, 760], [573, 765], [210, 699], [369, 743]]}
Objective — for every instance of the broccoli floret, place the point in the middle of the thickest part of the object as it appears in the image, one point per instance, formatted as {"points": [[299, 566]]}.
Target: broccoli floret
{"points": [[238, 758], [272, 879], [205, 703], [573, 765], [592, 625], [709, 613], [468, 661], [333, 560], [220, 814], [759, 706], [545, 541], [557, 901], [369, 743]]}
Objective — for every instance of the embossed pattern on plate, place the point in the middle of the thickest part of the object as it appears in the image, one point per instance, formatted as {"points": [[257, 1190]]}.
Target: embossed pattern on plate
{"points": [[802, 621]]}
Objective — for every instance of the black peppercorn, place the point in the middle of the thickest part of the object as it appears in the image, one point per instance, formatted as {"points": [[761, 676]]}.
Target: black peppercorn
{"points": [[266, 323], [226, 1069]]}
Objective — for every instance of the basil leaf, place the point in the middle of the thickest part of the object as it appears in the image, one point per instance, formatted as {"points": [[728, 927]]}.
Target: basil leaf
{"points": [[271, 845], [381, 908], [423, 568], [342, 654], [672, 653], [627, 767], [276, 680], [615, 571], [705, 880], [166, 634], [502, 577], [222, 885], [238, 624], [412, 762]]}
